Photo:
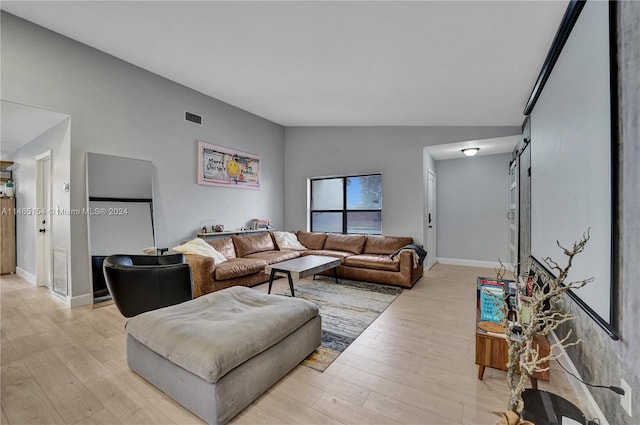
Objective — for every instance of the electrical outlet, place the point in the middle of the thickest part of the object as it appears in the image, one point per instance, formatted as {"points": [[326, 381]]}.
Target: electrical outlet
{"points": [[625, 400]]}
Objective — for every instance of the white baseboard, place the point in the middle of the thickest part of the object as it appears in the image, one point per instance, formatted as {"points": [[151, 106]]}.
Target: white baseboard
{"points": [[426, 267], [590, 408], [72, 302], [80, 300], [469, 263], [26, 275], [65, 299]]}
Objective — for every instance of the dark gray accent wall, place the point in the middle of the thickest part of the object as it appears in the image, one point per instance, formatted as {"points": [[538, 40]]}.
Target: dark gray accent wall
{"points": [[472, 205], [598, 358], [119, 109]]}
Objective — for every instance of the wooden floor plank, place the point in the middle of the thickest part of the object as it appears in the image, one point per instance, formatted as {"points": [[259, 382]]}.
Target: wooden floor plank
{"points": [[402, 360], [8, 354], [66, 392], [398, 391], [80, 362], [332, 384], [23, 401], [253, 415], [124, 403], [102, 417], [3, 417], [297, 390], [404, 412], [414, 364], [289, 411], [348, 412]]}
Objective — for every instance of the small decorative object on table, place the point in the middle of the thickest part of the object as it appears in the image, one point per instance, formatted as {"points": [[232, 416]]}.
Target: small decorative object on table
{"points": [[259, 223], [218, 228]]}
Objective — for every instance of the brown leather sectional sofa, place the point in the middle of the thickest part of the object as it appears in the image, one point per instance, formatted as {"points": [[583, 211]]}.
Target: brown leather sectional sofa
{"points": [[364, 257]]}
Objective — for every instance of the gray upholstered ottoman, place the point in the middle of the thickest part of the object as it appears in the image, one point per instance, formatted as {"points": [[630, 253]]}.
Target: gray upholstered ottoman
{"points": [[217, 353]]}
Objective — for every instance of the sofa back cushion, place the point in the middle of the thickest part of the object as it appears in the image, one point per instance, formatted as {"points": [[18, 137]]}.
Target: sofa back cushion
{"points": [[223, 246], [349, 243], [385, 244], [311, 240], [246, 245]]}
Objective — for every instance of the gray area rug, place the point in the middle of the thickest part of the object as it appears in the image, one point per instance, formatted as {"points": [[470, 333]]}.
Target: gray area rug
{"points": [[347, 309]]}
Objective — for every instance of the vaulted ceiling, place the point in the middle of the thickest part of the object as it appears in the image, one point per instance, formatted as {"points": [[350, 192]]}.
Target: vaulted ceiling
{"points": [[338, 63]]}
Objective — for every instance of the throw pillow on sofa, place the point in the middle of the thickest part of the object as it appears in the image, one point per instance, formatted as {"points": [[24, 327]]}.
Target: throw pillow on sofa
{"points": [[199, 247], [288, 240]]}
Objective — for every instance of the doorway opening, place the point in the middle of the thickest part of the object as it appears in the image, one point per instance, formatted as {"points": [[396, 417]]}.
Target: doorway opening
{"points": [[43, 220], [430, 219]]}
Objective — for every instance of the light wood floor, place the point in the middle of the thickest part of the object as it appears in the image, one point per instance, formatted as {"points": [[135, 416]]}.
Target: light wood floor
{"points": [[413, 365]]}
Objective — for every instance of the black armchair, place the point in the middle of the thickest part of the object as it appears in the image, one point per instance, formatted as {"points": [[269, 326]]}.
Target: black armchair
{"points": [[140, 283]]}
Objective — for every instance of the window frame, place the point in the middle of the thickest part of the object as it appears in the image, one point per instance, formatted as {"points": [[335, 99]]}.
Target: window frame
{"points": [[344, 211]]}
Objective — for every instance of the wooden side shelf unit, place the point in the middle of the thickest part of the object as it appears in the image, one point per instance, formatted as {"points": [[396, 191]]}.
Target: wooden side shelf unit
{"points": [[7, 235], [5, 173], [492, 350]]}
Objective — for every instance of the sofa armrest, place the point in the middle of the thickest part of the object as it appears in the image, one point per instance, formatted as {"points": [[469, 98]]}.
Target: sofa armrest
{"points": [[409, 269], [202, 269], [407, 258]]}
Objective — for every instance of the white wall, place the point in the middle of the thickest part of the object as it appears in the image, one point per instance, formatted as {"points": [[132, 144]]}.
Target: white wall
{"points": [[473, 200], [56, 139], [396, 152], [119, 109]]}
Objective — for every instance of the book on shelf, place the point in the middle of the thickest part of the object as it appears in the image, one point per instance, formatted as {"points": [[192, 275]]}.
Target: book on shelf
{"points": [[490, 303], [490, 296]]}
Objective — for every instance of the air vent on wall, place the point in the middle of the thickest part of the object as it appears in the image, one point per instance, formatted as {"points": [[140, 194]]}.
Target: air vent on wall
{"points": [[193, 118]]}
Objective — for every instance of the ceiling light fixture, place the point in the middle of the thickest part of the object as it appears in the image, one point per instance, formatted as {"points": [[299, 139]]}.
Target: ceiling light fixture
{"points": [[470, 151]]}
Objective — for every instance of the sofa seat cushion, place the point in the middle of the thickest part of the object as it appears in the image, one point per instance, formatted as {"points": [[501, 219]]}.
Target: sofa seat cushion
{"points": [[272, 257], [223, 246], [328, 253], [373, 261], [246, 245], [385, 244], [237, 267], [211, 335], [350, 243], [311, 240]]}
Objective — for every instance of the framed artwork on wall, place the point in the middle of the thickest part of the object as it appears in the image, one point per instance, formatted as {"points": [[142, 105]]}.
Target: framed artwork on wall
{"points": [[221, 166]]}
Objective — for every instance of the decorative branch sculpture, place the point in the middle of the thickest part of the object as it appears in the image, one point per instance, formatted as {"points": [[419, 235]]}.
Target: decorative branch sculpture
{"points": [[545, 310]]}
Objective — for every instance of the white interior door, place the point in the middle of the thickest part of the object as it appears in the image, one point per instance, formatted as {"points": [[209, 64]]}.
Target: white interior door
{"points": [[43, 220], [512, 215], [430, 219]]}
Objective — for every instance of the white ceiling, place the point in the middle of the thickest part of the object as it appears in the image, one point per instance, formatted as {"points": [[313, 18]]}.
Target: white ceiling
{"points": [[487, 147], [21, 124], [329, 63]]}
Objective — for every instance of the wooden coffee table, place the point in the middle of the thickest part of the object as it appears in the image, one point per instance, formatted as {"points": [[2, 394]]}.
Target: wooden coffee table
{"points": [[302, 267]]}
